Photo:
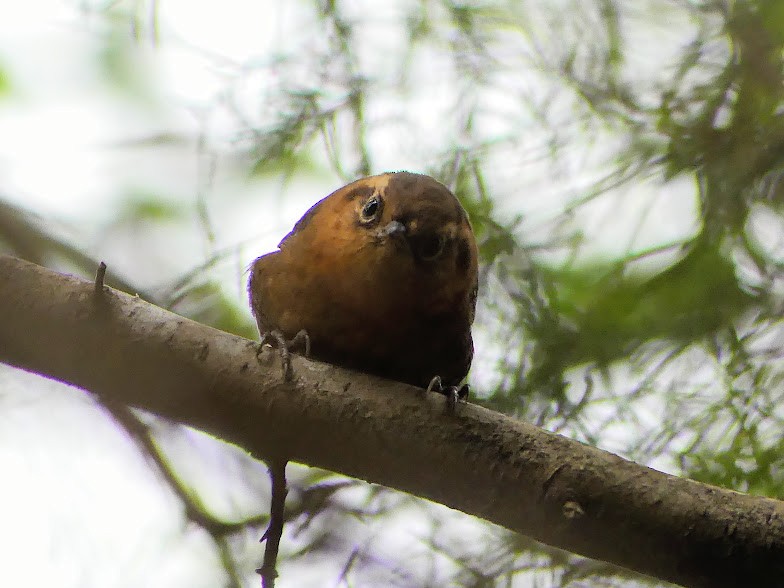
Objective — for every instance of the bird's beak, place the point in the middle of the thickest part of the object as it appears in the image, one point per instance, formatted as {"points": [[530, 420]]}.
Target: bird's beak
{"points": [[393, 229]]}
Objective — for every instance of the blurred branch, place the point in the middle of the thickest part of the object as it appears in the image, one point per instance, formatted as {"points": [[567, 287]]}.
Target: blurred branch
{"points": [[506, 471], [195, 511], [23, 233]]}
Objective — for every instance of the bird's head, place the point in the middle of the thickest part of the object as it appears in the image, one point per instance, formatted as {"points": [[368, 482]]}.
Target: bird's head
{"points": [[395, 230], [416, 222]]}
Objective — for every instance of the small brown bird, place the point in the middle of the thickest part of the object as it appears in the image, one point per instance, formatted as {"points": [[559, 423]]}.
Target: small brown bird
{"points": [[382, 276]]}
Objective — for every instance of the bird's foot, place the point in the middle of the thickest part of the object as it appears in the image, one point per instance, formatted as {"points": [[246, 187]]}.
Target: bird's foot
{"points": [[276, 339], [453, 393]]}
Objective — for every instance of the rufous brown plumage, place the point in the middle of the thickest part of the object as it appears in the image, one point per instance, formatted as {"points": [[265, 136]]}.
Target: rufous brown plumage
{"points": [[381, 275]]}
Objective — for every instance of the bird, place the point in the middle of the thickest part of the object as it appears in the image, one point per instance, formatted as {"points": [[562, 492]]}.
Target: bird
{"points": [[380, 276]]}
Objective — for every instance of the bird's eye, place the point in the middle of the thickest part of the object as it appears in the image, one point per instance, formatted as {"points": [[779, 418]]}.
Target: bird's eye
{"points": [[371, 209], [430, 247]]}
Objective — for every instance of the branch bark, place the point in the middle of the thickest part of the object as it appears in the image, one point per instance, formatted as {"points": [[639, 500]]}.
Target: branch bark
{"points": [[511, 473]]}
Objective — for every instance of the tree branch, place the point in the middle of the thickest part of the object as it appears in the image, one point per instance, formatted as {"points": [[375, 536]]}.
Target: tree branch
{"points": [[503, 470], [268, 571]]}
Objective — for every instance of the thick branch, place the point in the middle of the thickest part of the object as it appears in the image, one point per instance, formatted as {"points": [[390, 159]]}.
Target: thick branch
{"points": [[528, 480]]}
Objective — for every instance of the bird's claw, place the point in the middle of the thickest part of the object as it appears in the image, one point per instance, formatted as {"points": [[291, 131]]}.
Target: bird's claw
{"points": [[300, 341], [453, 393], [277, 339]]}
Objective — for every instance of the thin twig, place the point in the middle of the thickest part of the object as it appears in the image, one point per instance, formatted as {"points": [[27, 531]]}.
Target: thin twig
{"points": [[100, 274], [268, 571]]}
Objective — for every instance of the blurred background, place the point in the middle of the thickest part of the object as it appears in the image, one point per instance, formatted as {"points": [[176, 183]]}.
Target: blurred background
{"points": [[621, 164]]}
